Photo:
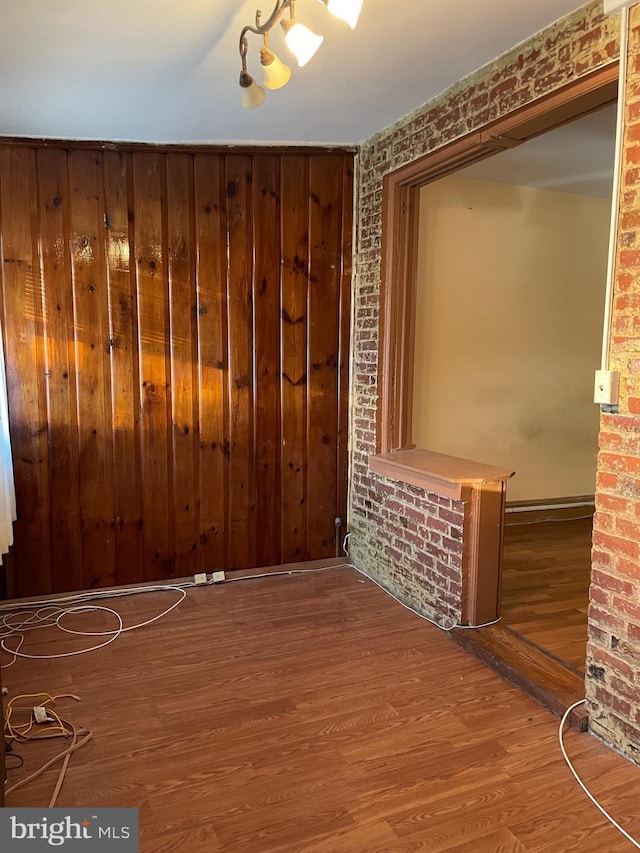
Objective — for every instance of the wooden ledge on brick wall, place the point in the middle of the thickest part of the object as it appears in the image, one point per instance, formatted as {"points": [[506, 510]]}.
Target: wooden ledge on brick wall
{"points": [[482, 490], [436, 473]]}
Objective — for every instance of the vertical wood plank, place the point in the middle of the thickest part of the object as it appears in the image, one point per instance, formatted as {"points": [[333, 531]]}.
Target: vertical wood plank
{"points": [[152, 315], [266, 346], [325, 195], [240, 353], [123, 345], [60, 370], [211, 273], [91, 334], [184, 355], [30, 570], [295, 271], [344, 344], [176, 330]]}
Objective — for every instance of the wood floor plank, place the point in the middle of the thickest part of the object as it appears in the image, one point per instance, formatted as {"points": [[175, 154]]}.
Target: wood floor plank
{"points": [[355, 839], [502, 841], [199, 839], [545, 584], [313, 714]]}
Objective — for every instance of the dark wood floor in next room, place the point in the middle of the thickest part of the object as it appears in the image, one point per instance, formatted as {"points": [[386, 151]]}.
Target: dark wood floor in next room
{"points": [[545, 584], [314, 713]]}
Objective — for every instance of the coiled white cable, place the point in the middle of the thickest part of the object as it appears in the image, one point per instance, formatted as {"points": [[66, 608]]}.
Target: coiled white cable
{"points": [[16, 621]]}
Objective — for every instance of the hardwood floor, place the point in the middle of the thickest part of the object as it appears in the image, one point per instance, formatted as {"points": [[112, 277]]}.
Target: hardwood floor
{"points": [[528, 667], [545, 585], [313, 713]]}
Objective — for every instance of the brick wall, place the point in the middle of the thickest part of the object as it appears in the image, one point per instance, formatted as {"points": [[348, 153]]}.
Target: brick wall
{"points": [[613, 653], [409, 540]]}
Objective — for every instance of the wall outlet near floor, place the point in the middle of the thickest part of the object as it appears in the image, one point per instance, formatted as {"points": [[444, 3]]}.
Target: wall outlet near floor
{"points": [[218, 577], [200, 577]]}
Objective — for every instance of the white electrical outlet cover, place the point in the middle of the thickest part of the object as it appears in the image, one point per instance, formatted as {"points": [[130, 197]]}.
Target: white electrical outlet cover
{"points": [[200, 577], [607, 387], [218, 577]]}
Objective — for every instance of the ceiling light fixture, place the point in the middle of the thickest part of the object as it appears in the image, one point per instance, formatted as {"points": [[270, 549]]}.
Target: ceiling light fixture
{"points": [[300, 40]]}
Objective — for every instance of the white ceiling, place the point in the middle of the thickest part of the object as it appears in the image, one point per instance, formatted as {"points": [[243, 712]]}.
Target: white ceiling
{"points": [[575, 158], [167, 70]]}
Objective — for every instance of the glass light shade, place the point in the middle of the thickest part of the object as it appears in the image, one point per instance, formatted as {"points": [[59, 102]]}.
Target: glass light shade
{"points": [[275, 72], [251, 95], [346, 10], [301, 41]]}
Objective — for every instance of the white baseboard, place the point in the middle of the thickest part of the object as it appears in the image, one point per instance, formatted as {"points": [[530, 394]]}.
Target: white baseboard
{"points": [[551, 506]]}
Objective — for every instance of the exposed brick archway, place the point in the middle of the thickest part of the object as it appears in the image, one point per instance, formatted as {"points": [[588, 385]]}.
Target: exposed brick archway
{"points": [[421, 558]]}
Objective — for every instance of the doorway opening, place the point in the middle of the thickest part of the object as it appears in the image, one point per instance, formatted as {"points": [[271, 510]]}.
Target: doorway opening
{"points": [[401, 202], [509, 332]]}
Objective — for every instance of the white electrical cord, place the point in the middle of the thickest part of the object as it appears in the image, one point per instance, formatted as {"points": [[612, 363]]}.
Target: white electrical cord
{"points": [[288, 572], [118, 592], [444, 628], [49, 613], [406, 606], [16, 620], [345, 542], [581, 783], [17, 631]]}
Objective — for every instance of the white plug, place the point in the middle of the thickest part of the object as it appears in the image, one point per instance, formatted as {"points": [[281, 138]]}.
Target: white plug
{"points": [[218, 577], [200, 577], [40, 714]]}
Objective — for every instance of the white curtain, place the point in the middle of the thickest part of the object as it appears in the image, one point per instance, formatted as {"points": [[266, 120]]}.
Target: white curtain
{"points": [[7, 487]]}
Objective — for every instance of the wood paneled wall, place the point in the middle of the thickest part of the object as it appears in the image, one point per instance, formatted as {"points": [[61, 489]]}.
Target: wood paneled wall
{"points": [[176, 328]]}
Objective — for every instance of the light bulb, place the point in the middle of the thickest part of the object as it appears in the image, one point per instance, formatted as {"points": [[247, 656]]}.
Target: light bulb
{"points": [[252, 95], [275, 73], [346, 10], [301, 41]]}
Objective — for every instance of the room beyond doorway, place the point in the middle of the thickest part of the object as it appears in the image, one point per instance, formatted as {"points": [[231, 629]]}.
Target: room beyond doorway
{"points": [[509, 331]]}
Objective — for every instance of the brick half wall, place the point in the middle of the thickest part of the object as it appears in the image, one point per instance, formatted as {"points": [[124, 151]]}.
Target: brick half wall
{"points": [[417, 553]]}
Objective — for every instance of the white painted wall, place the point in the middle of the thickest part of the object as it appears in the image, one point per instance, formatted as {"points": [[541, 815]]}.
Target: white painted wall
{"points": [[508, 330]]}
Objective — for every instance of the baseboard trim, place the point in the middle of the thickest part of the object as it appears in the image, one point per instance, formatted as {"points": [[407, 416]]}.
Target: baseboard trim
{"points": [[544, 504], [306, 566]]}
